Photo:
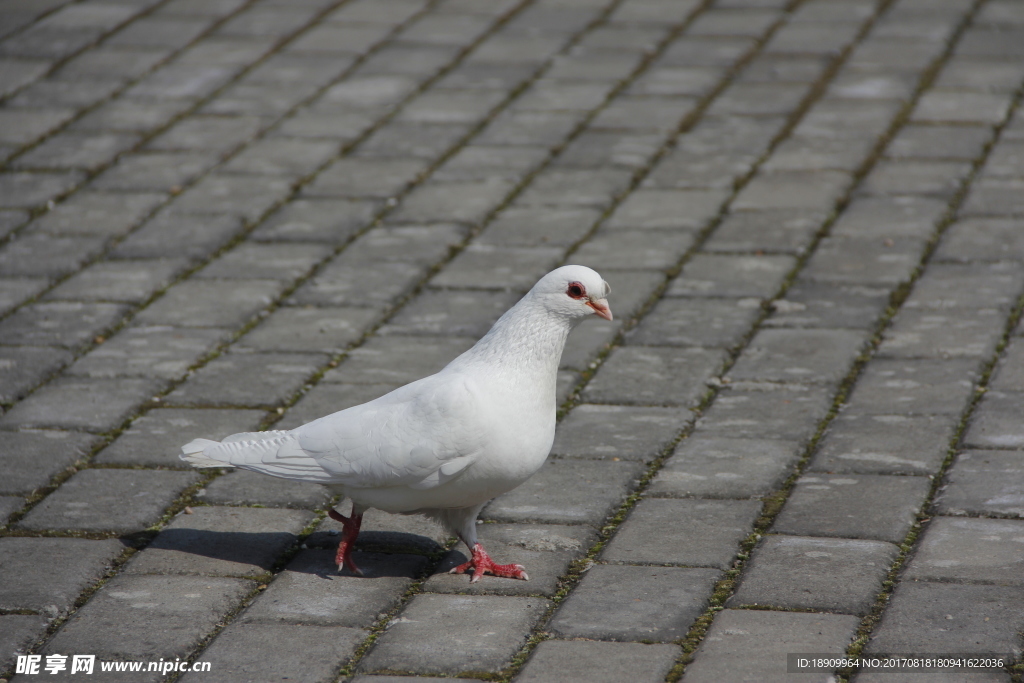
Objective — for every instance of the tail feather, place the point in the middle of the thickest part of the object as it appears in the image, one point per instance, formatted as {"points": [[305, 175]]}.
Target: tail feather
{"points": [[275, 453]]}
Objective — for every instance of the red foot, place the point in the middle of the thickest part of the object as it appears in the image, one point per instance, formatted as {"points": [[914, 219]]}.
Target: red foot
{"points": [[482, 564], [348, 540]]}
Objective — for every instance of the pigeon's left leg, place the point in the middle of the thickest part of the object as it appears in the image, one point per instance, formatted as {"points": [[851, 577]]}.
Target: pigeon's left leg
{"points": [[463, 522], [348, 538]]}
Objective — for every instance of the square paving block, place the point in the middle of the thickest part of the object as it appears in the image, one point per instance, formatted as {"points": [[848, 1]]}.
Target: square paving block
{"points": [[153, 351], [149, 617], [950, 618], [865, 261], [753, 644], [309, 329], [634, 249], [98, 405], [923, 333], [241, 487], [385, 533], [409, 244], [618, 432], [529, 226], [984, 483], [327, 398], [808, 355], [121, 501], [545, 550], [975, 550], [966, 285], [211, 303], [131, 281], [568, 492], [702, 533], [447, 634], [774, 230], [697, 322], [69, 324], [156, 438], [823, 574], [819, 304], [766, 411], [29, 459], [885, 444], [287, 262], [333, 221], [725, 468], [221, 540], [853, 506], [451, 313], [648, 375], [996, 421], [626, 603], [482, 266], [582, 661], [719, 275], [398, 360], [914, 386], [247, 379], [311, 590], [283, 649], [38, 574]]}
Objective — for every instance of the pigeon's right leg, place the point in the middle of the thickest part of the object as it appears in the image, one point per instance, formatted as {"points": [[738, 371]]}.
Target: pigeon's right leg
{"points": [[348, 538]]}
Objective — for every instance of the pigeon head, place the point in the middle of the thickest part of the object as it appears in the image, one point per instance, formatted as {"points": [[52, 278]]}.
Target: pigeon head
{"points": [[575, 292]]}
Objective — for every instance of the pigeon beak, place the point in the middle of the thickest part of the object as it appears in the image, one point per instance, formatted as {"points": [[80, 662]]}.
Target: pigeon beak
{"points": [[600, 307]]}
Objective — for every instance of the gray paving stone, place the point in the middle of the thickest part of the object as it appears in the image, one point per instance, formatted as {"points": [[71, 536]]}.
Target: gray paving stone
{"points": [[403, 139], [597, 662], [169, 235], [950, 618], [812, 190], [289, 157], [947, 286], [947, 106], [31, 458], [287, 262], [984, 483], [311, 591], [911, 177], [207, 133], [798, 356], [8, 506], [853, 506], [154, 171], [486, 161], [156, 438], [626, 603], [610, 148], [923, 333], [16, 291], [914, 386], [654, 376], [483, 266], [618, 432], [308, 329], [78, 151], [108, 500], [221, 541], [25, 126], [23, 368], [129, 281], [716, 275], [284, 649], [972, 550], [834, 575], [888, 217], [994, 196], [464, 202], [210, 303], [54, 590], [333, 221], [994, 423], [537, 227], [387, 535], [725, 468], [576, 187], [587, 493], [916, 141], [766, 411], [410, 244], [818, 304], [239, 487], [247, 379], [346, 282], [98, 405], [245, 196], [752, 644], [35, 254], [446, 634], [710, 537], [685, 170], [17, 634], [865, 261], [885, 444], [545, 551], [810, 153], [149, 617], [454, 312], [667, 209], [697, 322], [397, 360], [365, 178], [158, 351], [775, 230]]}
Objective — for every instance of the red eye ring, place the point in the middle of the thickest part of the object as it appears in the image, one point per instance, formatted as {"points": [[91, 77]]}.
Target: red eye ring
{"points": [[576, 290]]}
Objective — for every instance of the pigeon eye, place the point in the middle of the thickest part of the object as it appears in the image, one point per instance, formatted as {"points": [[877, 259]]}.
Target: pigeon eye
{"points": [[576, 290]]}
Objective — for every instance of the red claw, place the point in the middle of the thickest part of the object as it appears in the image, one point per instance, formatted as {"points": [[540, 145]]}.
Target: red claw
{"points": [[483, 564]]}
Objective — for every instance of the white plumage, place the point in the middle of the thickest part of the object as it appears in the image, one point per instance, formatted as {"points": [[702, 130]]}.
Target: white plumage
{"points": [[444, 445]]}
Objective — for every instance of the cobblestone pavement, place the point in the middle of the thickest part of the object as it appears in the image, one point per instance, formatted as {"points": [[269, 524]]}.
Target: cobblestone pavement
{"points": [[802, 433]]}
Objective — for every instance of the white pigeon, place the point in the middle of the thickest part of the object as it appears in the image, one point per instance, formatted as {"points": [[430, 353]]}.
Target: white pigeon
{"points": [[445, 445]]}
